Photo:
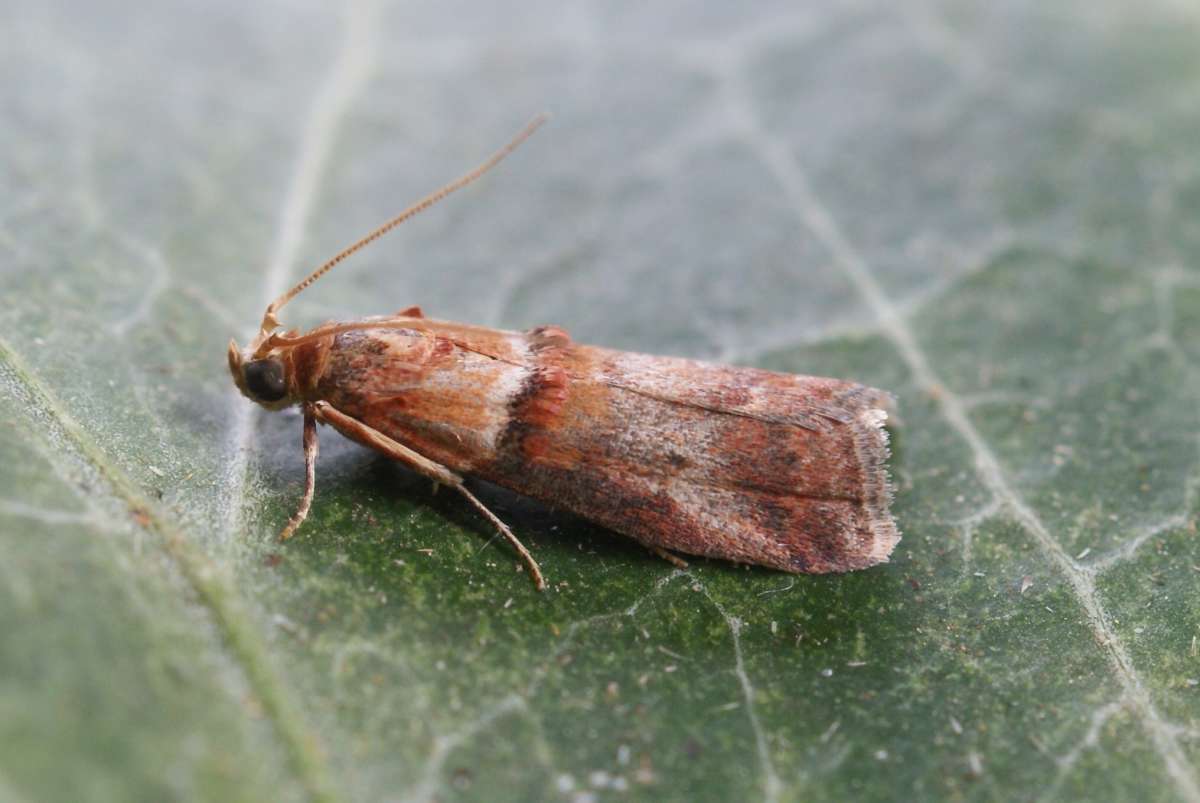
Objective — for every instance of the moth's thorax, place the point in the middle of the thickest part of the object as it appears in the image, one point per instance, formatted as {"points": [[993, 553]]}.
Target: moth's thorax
{"points": [[428, 388]]}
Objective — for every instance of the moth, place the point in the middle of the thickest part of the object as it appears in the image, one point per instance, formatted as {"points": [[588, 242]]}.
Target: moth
{"points": [[738, 463]]}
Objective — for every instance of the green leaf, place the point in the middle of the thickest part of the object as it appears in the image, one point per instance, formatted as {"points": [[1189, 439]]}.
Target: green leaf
{"points": [[989, 210]]}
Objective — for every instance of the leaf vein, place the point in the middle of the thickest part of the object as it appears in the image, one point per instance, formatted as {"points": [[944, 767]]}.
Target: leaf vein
{"points": [[816, 217]]}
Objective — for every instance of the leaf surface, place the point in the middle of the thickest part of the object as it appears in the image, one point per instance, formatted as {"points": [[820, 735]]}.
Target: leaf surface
{"points": [[989, 211]]}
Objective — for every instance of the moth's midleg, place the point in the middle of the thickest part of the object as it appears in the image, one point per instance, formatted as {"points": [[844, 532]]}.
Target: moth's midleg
{"points": [[531, 565], [358, 431]]}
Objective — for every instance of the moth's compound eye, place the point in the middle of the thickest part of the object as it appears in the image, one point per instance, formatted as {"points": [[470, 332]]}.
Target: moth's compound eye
{"points": [[264, 380]]}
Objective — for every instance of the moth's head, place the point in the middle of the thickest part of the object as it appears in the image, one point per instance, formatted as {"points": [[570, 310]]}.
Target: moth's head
{"points": [[261, 379]]}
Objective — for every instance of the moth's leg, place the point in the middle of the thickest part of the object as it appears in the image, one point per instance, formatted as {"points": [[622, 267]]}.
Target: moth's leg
{"points": [[310, 475], [531, 565], [358, 431], [669, 557]]}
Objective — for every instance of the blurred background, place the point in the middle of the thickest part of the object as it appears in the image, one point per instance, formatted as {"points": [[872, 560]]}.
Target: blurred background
{"points": [[989, 210]]}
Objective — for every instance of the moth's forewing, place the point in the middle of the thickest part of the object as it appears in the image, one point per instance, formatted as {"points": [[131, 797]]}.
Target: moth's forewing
{"points": [[736, 463]]}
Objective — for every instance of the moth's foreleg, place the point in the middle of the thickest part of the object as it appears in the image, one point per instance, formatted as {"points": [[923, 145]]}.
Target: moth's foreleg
{"points": [[358, 431], [310, 475]]}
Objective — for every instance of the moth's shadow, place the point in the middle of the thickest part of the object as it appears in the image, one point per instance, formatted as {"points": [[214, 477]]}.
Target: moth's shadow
{"points": [[547, 531], [553, 535]]}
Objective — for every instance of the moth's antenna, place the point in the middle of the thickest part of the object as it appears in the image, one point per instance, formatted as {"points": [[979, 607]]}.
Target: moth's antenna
{"points": [[269, 321]]}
